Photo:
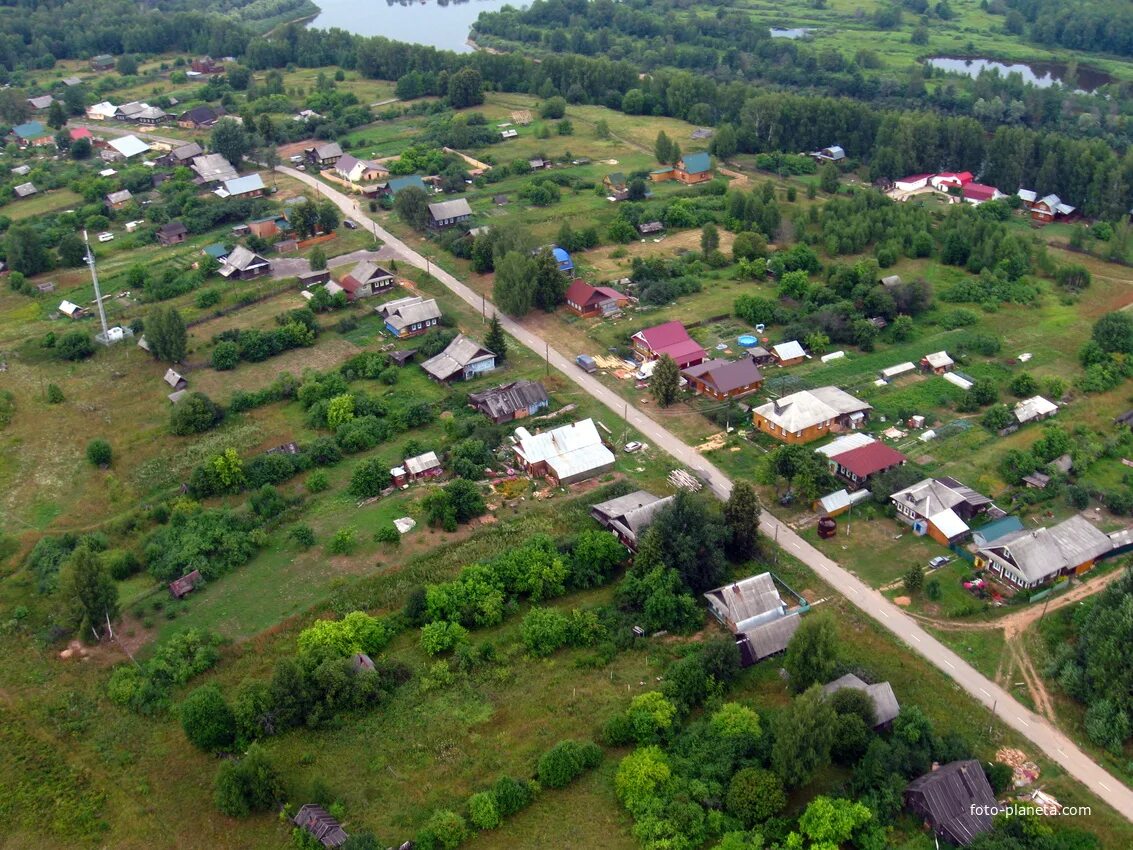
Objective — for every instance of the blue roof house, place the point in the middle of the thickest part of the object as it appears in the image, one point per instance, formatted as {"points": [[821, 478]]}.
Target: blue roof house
{"points": [[566, 264]]}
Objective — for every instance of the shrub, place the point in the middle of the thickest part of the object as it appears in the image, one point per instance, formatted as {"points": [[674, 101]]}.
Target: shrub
{"points": [[544, 630], [54, 394], [388, 534], [195, 414], [445, 830], [566, 761], [248, 785], [512, 795], [754, 795], [99, 453], [304, 535], [74, 346], [343, 542], [442, 636], [370, 477], [317, 481], [225, 356], [208, 722], [482, 811]]}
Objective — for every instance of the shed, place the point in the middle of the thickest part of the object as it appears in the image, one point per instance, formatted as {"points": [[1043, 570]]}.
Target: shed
{"points": [[788, 353], [898, 370], [885, 704], [182, 587], [1035, 408], [938, 362], [175, 380], [318, 822], [25, 190], [70, 310], [890, 281], [948, 797], [629, 516]]}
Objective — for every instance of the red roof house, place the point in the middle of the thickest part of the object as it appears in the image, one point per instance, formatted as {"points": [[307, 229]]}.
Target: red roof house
{"points": [[585, 300], [977, 193], [670, 338], [952, 179], [77, 133], [858, 465]]}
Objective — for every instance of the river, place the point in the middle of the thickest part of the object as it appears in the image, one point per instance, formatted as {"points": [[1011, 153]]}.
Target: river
{"points": [[440, 24], [1041, 74]]}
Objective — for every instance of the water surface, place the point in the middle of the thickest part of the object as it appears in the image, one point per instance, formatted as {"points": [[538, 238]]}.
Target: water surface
{"points": [[439, 23], [1041, 74]]}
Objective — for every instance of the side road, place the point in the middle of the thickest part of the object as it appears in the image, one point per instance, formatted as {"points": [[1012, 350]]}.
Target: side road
{"points": [[1044, 735]]}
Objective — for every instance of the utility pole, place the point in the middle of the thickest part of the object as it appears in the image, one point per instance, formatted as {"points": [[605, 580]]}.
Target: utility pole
{"points": [[97, 291], [625, 422], [483, 308], [547, 355]]}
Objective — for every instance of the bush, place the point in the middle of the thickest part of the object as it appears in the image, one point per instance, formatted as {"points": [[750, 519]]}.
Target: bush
{"points": [[195, 414], [74, 346], [370, 477], [445, 830], [754, 795], [388, 534], [54, 394], [304, 535], [208, 722], [442, 636], [317, 481], [99, 453], [482, 811], [343, 542], [512, 795], [248, 785], [544, 630], [225, 356], [566, 761]]}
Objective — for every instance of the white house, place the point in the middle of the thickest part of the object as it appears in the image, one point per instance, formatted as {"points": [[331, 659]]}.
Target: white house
{"points": [[912, 182]]}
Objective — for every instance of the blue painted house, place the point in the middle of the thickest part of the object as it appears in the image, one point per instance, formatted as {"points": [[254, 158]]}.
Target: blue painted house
{"points": [[566, 264]]}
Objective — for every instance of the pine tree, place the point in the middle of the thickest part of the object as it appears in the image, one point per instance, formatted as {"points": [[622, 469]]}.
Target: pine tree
{"points": [[663, 149], [166, 335], [665, 381], [513, 289], [741, 515], [88, 592], [495, 340]]}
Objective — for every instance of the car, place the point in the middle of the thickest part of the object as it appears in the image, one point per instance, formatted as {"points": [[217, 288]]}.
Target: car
{"points": [[105, 237], [633, 446], [350, 225], [939, 561]]}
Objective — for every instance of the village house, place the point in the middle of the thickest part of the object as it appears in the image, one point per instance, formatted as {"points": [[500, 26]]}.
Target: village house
{"points": [[885, 705], [324, 154], [464, 358], [409, 317], [212, 169], [1046, 209], [407, 181], [939, 507], [588, 301], [172, 233], [266, 228], [248, 186], [206, 65], [1033, 557], [39, 104], [629, 516], [124, 147], [367, 279], [839, 502], [564, 455], [857, 465], [359, 170], [71, 82], [244, 264], [31, 134], [182, 587], [449, 213], [313, 277], [834, 153], [977, 193], [181, 155], [938, 362], [912, 183], [426, 465], [1034, 409], [669, 338], [318, 822], [693, 168], [723, 379], [129, 111], [24, 190], [788, 353], [948, 180], [151, 116], [754, 612], [508, 402], [955, 801], [101, 62], [807, 415], [118, 200], [104, 111], [200, 117]]}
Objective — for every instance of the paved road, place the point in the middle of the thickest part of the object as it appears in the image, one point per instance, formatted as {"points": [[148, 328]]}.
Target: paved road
{"points": [[1057, 746]]}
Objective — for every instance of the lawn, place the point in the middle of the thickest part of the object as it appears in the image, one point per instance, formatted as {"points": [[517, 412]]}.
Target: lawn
{"points": [[50, 201]]}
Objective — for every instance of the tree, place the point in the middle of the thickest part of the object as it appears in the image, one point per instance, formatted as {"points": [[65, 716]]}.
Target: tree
{"points": [[81, 149], [445, 830], [329, 216], [741, 517], [754, 795], [803, 737], [26, 251], [230, 140], [1023, 385], [370, 477], [495, 341], [554, 107], [687, 535], [195, 414], [127, 65], [99, 453], [1113, 332], [602, 129], [304, 219], [594, 557], [72, 251], [913, 579], [543, 630], [88, 592], [550, 284], [636, 192], [749, 246], [1073, 278], [812, 654], [663, 149], [466, 499], [828, 178], [831, 822], [665, 382], [318, 258], [465, 88], [225, 356], [248, 785], [709, 238], [207, 719], [724, 144], [566, 761], [641, 777], [513, 290], [166, 334], [412, 204], [340, 410], [56, 117]]}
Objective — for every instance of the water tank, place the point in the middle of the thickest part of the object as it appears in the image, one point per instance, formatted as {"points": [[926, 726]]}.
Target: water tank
{"points": [[827, 527]]}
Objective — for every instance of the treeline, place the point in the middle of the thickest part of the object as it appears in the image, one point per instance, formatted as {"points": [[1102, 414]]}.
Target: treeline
{"points": [[1104, 26]]}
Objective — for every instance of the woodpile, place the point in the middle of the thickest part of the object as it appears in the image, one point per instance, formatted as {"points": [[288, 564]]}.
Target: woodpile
{"points": [[1024, 771], [685, 481]]}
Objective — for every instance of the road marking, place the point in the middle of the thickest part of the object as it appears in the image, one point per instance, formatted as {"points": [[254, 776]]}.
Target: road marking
{"points": [[1103, 785], [914, 637], [949, 663], [1021, 720], [984, 692], [885, 614], [1062, 751]]}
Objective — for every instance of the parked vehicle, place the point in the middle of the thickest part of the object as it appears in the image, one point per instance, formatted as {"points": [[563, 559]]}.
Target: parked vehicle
{"points": [[349, 224], [105, 237], [586, 362], [633, 446], [939, 561]]}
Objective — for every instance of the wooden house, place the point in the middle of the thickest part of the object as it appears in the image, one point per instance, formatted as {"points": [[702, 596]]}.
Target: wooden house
{"points": [[722, 379], [409, 317], [669, 338], [1030, 558], [939, 507], [885, 705], [244, 264], [200, 117], [367, 279], [693, 168], [629, 516], [788, 353], [101, 62], [564, 455], [182, 587], [449, 213], [588, 301], [324, 154], [955, 801], [938, 362], [508, 402], [859, 464], [464, 358], [808, 415], [172, 233], [119, 200], [206, 65], [319, 823]]}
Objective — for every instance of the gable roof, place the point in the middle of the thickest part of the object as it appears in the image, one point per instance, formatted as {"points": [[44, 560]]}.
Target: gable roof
{"points": [[41, 102], [932, 496], [318, 822], [979, 192], [788, 350], [1033, 408], [660, 337], [806, 408], [845, 443], [885, 706], [244, 185], [870, 459], [120, 197], [450, 209], [186, 152], [422, 463], [396, 184], [582, 293], [743, 603], [622, 506], [724, 375], [508, 398], [419, 311], [997, 529], [460, 353], [368, 271], [200, 115], [242, 259], [213, 167], [30, 130], [325, 150], [1040, 553], [616, 178], [938, 359], [569, 450], [770, 638], [947, 797], [697, 163], [25, 190], [77, 133], [173, 228]]}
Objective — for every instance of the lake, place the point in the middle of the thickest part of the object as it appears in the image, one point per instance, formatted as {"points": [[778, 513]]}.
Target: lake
{"points": [[438, 23], [1041, 74]]}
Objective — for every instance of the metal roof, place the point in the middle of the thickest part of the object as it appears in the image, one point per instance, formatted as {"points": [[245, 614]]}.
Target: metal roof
{"points": [[788, 350], [243, 185], [242, 258], [958, 380], [411, 314], [938, 359], [885, 706], [1041, 553], [128, 146], [931, 496], [844, 444], [212, 167], [450, 209], [697, 163], [422, 463], [744, 600], [1034, 408], [869, 459], [119, 197], [807, 408]]}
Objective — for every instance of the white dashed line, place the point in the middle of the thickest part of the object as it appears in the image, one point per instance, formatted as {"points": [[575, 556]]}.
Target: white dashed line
{"points": [[1103, 785], [949, 663], [1021, 720], [984, 692], [917, 639]]}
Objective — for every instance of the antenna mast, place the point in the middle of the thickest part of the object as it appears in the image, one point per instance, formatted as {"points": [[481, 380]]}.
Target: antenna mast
{"points": [[97, 291]]}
